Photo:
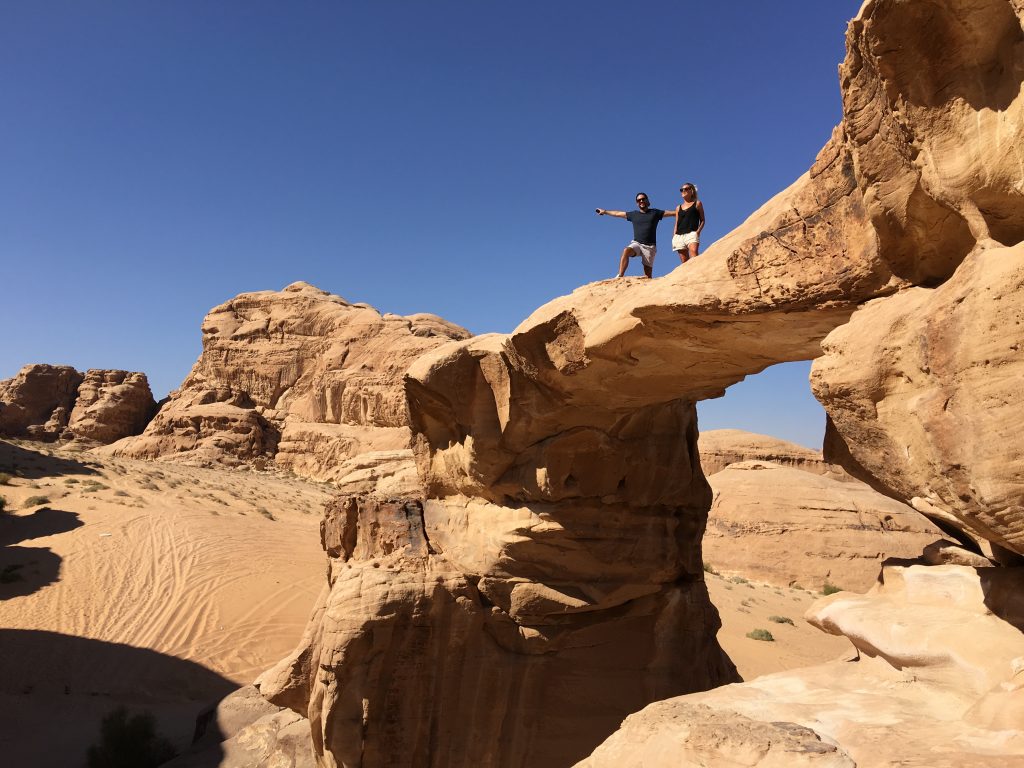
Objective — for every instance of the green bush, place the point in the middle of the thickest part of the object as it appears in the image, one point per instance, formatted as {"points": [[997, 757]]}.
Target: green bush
{"points": [[5, 479], [738, 580], [761, 634], [709, 568], [781, 620], [35, 501], [129, 742], [830, 589]]}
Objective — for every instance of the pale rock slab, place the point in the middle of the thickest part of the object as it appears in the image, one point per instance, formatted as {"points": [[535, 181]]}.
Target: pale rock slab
{"points": [[939, 682]]}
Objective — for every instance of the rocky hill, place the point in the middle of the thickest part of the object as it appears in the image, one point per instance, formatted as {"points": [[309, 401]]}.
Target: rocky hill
{"points": [[299, 378]]}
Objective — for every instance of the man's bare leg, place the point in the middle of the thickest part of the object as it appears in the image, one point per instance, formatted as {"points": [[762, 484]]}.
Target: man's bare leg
{"points": [[647, 271], [624, 261]]}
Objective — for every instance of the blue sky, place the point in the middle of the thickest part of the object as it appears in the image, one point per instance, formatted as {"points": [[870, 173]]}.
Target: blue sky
{"points": [[161, 157]]}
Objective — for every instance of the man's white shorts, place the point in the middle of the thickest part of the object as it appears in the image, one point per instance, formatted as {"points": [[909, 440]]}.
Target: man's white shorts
{"points": [[680, 242], [646, 252]]}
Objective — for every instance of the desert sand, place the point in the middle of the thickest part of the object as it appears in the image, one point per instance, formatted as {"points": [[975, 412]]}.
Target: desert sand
{"points": [[157, 586], [163, 587]]}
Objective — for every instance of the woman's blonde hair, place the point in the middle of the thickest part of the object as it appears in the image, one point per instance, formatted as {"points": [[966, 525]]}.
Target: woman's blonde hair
{"points": [[693, 187]]}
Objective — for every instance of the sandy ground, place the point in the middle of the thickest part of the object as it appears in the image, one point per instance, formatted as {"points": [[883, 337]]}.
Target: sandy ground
{"points": [[148, 584], [746, 606], [162, 588]]}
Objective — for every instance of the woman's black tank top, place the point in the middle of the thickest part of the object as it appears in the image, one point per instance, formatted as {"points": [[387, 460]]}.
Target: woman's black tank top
{"points": [[687, 220]]}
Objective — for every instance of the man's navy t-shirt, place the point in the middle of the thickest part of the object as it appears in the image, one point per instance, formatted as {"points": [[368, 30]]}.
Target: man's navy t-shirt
{"points": [[645, 225]]}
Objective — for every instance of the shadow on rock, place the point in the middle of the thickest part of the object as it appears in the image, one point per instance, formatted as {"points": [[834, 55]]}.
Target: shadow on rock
{"points": [[55, 690], [32, 465]]}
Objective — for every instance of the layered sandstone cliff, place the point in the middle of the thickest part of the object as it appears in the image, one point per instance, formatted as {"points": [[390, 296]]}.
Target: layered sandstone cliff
{"points": [[301, 378]]}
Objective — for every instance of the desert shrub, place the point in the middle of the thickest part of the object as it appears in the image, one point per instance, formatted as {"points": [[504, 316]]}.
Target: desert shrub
{"points": [[761, 634], [91, 486], [737, 580], [120, 493], [129, 742], [709, 568], [830, 589], [781, 620], [5, 478], [35, 501], [266, 513], [71, 481]]}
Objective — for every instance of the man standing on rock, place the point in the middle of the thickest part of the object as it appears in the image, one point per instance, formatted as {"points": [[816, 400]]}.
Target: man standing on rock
{"points": [[645, 232]]}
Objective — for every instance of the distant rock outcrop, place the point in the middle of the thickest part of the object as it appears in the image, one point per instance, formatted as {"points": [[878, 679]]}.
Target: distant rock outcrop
{"points": [[111, 405], [785, 526], [721, 447], [38, 400], [299, 377], [47, 402]]}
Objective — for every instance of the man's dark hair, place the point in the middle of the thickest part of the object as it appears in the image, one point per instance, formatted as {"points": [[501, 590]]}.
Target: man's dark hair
{"points": [[638, 194]]}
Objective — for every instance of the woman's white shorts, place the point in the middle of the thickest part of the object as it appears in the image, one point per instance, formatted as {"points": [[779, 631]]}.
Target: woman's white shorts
{"points": [[680, 242]]}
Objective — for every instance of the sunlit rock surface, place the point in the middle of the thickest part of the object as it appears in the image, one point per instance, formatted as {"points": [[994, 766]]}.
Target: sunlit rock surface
{"points": [[299, 377], [789, 527]]}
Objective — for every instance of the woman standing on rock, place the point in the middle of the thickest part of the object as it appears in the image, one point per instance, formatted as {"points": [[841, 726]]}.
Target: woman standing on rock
{"points": [[689, 223]]}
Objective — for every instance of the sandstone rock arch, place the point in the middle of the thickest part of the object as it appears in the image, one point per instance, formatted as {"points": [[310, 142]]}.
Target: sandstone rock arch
{"points": [[564, 500]]}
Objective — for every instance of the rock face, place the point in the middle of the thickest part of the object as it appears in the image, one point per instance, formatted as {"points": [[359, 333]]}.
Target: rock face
{"points": [[785, 526], [37, 401], [924, 393], [111, 405], [47, 402], [721, 447], [299, 377], [435, 642]]}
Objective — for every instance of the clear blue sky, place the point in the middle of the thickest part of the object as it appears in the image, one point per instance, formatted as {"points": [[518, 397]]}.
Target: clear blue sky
{"points": [[159, 158]]}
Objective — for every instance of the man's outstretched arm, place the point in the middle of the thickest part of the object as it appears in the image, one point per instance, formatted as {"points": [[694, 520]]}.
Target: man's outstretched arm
{"points": [[616, 214]]}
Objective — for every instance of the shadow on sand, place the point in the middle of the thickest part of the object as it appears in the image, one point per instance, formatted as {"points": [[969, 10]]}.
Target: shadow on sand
{"points": [[33, 464], [23, 570], [55, 689]]}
